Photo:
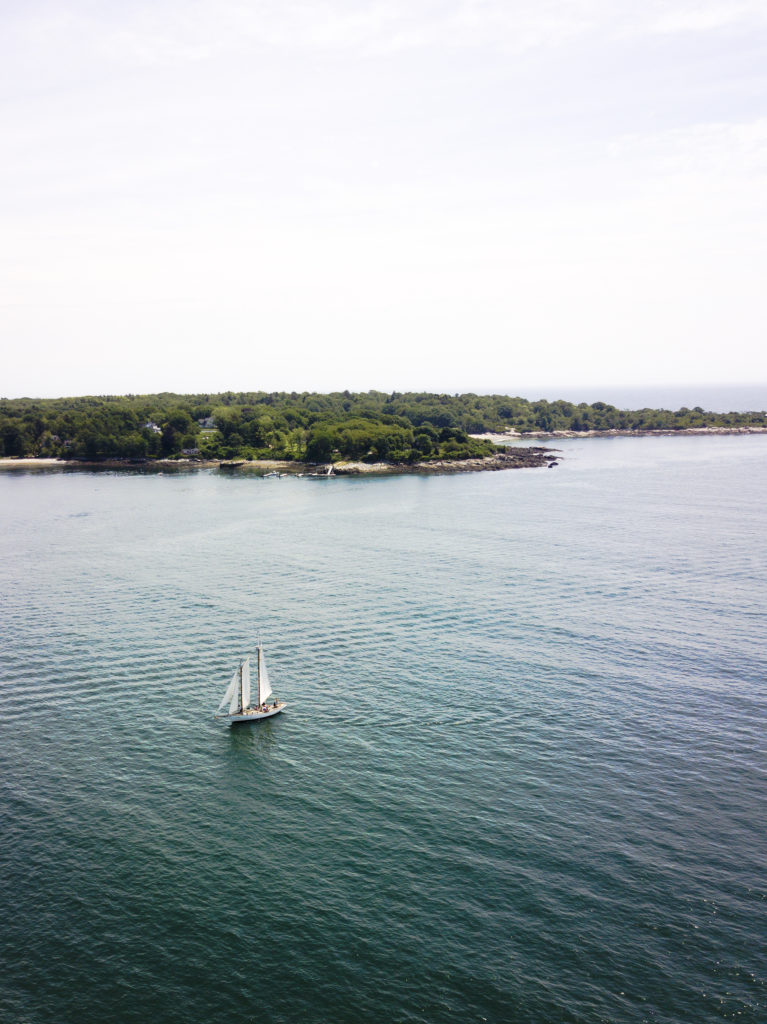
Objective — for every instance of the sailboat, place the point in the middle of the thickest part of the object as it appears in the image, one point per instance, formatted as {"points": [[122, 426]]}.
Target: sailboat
{"points": [[238, 695]]}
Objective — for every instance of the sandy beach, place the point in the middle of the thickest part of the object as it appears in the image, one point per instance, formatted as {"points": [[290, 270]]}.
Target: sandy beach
{"points": [[11, 463]]}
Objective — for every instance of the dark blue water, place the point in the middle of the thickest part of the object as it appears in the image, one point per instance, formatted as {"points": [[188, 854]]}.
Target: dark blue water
{"points": [[521, 776]]}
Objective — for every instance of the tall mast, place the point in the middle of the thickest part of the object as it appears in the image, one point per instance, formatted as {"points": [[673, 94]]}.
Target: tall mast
{"points": [[258, 659], [241, 664]]}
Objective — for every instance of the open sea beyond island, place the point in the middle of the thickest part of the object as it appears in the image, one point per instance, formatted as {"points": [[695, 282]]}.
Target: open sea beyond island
{"points": [[521, 776]]}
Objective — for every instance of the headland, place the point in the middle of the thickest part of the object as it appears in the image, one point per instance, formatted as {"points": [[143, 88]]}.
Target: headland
{"points": [[518, 457]]}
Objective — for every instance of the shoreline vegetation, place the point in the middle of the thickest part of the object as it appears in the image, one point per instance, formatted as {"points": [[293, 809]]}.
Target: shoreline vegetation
{"points": [[324, 434], [525, 457]]}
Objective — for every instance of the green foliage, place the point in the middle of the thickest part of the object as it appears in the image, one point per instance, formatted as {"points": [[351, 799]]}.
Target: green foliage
{"points": [[319, 447], [371, 426]]}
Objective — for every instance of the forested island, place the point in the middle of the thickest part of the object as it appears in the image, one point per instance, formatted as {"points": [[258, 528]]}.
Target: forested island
{"points": [[368, 427]]}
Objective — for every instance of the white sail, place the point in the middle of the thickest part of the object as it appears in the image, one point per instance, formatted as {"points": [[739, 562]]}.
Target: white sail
{"points": [[264, 687], [236, 706], [245, 669], [231, 691]]}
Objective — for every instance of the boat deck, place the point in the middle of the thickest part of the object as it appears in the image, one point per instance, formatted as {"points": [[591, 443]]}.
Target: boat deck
{"points": [[255, 714]]}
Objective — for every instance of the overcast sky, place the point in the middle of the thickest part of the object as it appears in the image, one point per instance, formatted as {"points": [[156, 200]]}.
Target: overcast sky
{"points": [[447, 195]]}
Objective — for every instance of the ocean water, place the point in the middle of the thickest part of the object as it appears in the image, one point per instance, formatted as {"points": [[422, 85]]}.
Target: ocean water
{"points": [[520, 778]]}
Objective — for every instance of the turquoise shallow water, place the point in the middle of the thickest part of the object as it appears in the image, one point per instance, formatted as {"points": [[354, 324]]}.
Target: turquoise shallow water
{"points": [[521, 776]]}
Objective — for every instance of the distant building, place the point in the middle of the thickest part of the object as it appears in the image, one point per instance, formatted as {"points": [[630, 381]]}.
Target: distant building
{"points": [[151, 425], [190, 451], [207, 422]]}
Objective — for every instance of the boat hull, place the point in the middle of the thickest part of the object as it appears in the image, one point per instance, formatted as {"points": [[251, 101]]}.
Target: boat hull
{"points": [[254, 716]]}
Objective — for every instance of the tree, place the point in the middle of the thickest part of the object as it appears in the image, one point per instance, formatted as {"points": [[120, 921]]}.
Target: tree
{"points": [[423, 443], [180, 421], [14, 440], [134, 446], [170, 443], [319, 447]]}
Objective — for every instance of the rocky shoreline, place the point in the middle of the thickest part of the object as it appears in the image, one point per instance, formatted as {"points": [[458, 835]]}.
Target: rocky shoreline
{"points": [[527, 457], [512, 435], [523, 456], [515, 458]]}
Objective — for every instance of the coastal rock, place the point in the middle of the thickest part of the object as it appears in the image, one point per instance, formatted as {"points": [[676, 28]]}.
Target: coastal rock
{"points": [[526, 457], [517, 457]]}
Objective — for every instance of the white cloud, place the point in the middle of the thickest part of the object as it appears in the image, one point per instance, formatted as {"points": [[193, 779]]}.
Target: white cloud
{"points": [[171, 32], [708, 17]]}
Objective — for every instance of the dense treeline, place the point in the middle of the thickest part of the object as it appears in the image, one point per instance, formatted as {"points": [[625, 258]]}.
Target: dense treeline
{"points": [[371, 426]]}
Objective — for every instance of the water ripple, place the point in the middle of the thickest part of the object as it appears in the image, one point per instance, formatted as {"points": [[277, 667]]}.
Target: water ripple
{"points": [[521, 775]]}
